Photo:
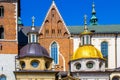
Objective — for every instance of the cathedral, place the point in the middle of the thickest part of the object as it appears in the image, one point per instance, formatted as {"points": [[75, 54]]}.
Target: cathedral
{"points": [[55, 51]]}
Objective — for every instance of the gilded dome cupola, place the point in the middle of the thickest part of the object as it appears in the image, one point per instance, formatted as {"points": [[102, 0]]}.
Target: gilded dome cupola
{"points": [[86, 49], [87, 57]]}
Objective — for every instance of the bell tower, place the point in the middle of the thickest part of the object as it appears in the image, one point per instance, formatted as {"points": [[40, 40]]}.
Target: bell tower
{"points": [[8, 37]]}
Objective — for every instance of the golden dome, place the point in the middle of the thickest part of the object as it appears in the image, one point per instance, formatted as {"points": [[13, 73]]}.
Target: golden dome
{"points": [[87, 51], [86, 33]]}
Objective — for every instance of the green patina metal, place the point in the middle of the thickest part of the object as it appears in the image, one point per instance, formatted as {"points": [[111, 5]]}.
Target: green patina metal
{"points": [[95, 28], [19, 21], [93, 20]]}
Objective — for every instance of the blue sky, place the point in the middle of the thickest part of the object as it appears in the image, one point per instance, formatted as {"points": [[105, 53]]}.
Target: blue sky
{"points": [[72, 11]]}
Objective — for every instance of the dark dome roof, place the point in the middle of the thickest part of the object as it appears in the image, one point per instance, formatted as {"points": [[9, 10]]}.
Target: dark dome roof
{"points": [[33, 50]]}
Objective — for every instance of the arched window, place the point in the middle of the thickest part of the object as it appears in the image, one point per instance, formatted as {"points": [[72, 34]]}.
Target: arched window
{"points": [[115, 78], [3, 77], [1, 32], [54, 52], [1, 11], [104, 50]]}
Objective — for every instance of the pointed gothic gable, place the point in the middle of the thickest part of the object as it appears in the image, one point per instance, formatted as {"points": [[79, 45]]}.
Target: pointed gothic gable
{"points": [[53, 25]]}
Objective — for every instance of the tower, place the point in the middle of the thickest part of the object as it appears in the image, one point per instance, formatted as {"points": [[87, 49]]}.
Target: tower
{"points": [[93, 20], [8, 37]]}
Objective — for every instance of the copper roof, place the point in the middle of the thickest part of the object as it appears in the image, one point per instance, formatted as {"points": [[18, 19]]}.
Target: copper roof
{"points": [[33, 50]]}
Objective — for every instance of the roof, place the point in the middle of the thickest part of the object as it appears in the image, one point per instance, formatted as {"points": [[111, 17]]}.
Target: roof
{"points": [[26, 29], [96, 28], [87, 51], [22, 34], [76, 30], [33, 50], [36, 71], [8, 0], [79, 29]]}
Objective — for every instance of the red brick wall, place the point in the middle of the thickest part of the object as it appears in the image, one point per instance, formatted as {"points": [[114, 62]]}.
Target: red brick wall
{"points": [[9, 47], [60, 35], [9, 24], [65, 48]]}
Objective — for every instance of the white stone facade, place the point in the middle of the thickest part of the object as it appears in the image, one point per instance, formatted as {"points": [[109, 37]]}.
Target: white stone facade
{"points": [[7, 65], [113, 47], [98, 65], [92, 76]]}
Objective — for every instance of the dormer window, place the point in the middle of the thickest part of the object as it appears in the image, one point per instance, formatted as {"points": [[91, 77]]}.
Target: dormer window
{"points": [[1, 11]]}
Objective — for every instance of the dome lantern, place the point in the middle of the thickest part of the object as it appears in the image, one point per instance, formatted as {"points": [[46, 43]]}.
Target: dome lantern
{"points": [[33, 34], [86, 35]]}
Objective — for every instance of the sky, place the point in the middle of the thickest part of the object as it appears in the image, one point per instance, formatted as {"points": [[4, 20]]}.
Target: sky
{"points": [[72, 11]]}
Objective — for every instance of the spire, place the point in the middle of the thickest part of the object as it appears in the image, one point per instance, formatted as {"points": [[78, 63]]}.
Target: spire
{"points": [[19, 21], [33, 21], [53, 2], [85, 23], [20, 24], [33, 34], [59, 77], [93, 20], [85, 35], [93, 8]]}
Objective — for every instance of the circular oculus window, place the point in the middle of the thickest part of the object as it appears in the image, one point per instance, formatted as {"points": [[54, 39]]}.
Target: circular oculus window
{"points": [[90, 65], [34, 64], [78, 66], [22, 64]]}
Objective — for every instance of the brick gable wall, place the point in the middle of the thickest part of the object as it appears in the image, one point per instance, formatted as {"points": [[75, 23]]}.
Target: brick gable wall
{"points": [[54, 30]]}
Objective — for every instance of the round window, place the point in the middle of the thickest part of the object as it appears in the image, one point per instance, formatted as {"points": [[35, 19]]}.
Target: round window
{"points": [[34, 64], [90, 65], [100, 65], [22, 64], [78, 66], [47, 65]]}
